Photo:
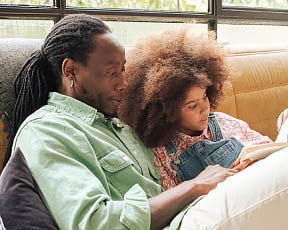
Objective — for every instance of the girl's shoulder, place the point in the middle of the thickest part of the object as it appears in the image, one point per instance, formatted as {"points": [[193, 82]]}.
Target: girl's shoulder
{"points": [[221, 115]]}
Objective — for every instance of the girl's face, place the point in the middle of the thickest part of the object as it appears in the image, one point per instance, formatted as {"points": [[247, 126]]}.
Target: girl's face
{"points": [[194, 111]]}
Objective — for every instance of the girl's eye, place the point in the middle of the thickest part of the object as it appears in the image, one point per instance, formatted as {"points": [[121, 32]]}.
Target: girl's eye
{"points": [[192, 106]]}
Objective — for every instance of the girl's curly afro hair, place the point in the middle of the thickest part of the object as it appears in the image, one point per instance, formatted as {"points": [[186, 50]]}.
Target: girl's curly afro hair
{"points": [[160, 70]]}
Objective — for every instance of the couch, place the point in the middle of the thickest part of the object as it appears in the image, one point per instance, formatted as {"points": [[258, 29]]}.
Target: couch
{"points": [[256, 92]]}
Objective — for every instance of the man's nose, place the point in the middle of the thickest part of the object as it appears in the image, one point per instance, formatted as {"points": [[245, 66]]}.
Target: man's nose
{"points": [[123, 84]]}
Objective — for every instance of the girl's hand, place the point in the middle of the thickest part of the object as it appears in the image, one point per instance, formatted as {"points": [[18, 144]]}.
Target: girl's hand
{"points": [[238, 166], [281, 119]]}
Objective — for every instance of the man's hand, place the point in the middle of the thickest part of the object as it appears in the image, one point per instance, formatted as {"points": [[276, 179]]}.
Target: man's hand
{"points": [[212, 175], [167, 204]]}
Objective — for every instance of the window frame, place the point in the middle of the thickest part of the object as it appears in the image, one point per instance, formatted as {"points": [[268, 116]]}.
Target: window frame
{"points": [[216, 14]]}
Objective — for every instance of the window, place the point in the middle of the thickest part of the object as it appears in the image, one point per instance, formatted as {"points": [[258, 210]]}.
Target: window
{"points": [[27, 2], [234, 21], [252, 34], [25, 28], [160, 5], [280, 4], [130, 32]]}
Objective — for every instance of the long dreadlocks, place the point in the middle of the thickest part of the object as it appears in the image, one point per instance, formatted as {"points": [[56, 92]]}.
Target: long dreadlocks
{"points": [[72, 37]]}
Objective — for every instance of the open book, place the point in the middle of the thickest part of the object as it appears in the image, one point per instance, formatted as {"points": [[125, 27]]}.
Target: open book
{"points": [[261, 151]]}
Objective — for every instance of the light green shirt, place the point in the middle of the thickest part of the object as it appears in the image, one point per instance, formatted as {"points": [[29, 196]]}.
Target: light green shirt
{"points": [[91, 171]]}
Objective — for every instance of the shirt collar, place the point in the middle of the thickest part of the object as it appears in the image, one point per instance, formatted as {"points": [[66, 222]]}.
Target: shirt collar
{"points": [[205, 134], [74, 107]]}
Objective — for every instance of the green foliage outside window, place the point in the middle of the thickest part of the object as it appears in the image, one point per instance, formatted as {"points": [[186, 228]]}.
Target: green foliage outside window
{"points": [[27, 2], [166, 5], [280, 4]]}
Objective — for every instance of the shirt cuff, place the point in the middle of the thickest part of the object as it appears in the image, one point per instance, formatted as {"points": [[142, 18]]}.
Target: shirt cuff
{"points": [[176, 222], [136, 209]]}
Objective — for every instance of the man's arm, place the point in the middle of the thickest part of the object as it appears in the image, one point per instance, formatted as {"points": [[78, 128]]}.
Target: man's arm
{"points": [[169, 203]]}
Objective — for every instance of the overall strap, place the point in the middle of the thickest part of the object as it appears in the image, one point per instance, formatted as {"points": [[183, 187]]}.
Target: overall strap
{"points": [[170, 147], [214, 127]]}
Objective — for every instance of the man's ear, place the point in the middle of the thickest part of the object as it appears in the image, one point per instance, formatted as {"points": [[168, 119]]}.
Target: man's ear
{"points": [[69, 68]]}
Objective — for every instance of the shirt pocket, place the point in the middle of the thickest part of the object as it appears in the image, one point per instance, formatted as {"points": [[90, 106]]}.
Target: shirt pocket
{"points": [[120, 172], [115, 161]]}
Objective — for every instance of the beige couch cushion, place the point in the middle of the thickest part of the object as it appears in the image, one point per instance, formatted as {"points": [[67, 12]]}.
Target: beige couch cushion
{"points": [[258, 89]]}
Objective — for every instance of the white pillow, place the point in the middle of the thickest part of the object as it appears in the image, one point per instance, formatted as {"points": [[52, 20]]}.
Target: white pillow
{"points": [[256, 198]]}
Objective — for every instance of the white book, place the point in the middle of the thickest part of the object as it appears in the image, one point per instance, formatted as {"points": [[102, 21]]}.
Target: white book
{"points": [[261, 151]]}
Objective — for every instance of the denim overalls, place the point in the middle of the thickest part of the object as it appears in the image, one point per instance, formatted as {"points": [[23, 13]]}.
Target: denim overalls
{"points": [[205, 152]]}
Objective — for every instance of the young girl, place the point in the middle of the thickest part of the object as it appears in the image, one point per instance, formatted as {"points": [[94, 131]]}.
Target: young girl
{"points": [[174, 80]]}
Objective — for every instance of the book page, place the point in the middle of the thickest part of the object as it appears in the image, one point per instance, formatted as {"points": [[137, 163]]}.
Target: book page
{"points": [[260, 151]]}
